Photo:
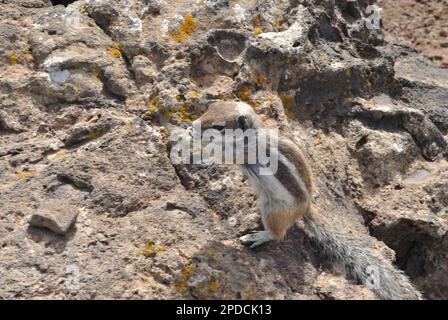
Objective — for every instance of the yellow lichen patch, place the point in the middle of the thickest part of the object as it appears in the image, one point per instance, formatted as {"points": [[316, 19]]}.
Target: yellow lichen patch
{"points": [[150, 249], [244, 94], [195, 94], [164, 133], [181, 285], [13, 59], [153, 108], [115, 51], [128, 126], [214, 286], [83, 10], [26, 51], [257, 31], [186, 29], [24, 174], [180, 116]]}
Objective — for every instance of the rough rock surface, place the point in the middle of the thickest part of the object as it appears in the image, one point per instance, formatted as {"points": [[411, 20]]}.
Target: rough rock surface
{"points": [[91, 206], [424, 23]]}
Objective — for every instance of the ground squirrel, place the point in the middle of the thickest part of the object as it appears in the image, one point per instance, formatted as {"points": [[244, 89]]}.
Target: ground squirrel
{"points": [[286, 195]]}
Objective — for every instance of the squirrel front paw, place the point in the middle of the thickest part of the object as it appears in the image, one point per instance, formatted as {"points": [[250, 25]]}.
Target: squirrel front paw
{"points": [[257, 238]]}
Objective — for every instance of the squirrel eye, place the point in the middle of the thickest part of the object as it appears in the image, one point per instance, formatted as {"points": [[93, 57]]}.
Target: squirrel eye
{"points": [[219, 127]]}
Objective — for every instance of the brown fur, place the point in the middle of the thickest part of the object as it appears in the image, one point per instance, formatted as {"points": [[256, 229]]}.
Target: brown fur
{"points": [[279, 222]]}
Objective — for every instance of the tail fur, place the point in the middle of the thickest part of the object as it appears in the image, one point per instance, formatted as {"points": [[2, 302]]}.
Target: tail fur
{"points": [[363, 263]]}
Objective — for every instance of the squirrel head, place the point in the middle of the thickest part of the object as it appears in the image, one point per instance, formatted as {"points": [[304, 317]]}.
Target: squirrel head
{"points": [[229, 115]]}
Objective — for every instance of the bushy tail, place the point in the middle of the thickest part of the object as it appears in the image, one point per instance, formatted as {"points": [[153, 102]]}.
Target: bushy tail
{"points": [[363, 263]]}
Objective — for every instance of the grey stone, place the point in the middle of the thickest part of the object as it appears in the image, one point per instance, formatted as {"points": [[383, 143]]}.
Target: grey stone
{"points": [[56, 215]]}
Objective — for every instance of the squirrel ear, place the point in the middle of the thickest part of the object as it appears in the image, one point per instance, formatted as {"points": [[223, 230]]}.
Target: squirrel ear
{"points": [[242, 122]]}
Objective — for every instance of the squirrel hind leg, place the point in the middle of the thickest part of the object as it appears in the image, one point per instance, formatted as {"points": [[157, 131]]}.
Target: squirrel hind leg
{"points": [[279, 222]]}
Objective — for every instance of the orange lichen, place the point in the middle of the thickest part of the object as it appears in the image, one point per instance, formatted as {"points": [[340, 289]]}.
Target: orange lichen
{"points": [[257, 31], [244, 94], [13, 58], [24, 174], [256, 21], [186, 29], [261, 80], [195, 94], [115, 51]]}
